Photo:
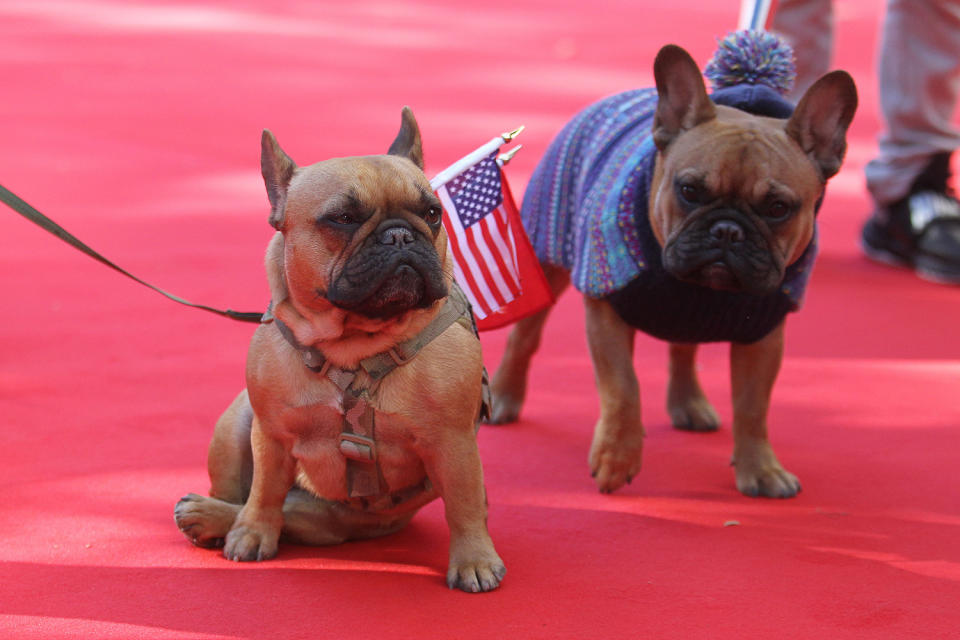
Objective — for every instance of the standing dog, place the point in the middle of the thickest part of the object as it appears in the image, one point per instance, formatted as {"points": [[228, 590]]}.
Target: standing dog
{"points": [[702, 231], [364, 382]]}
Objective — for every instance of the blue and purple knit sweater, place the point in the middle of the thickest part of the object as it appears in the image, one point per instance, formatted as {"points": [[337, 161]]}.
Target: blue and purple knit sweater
{"points": [[585, 209]]}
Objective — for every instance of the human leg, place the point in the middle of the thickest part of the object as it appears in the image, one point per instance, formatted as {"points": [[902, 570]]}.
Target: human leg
{"points": [[917, 217]]}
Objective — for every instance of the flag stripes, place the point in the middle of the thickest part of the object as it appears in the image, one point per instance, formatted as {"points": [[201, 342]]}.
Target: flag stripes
{"points": [[484, 260]]}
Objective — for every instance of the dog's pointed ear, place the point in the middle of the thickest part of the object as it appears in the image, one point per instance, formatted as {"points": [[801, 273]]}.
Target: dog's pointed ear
{"points": [[683, 101], [407, 143], [820, 121], [277, 169]]}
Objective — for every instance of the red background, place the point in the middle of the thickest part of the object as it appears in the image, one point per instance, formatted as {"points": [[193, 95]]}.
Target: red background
{"points": [[136, 125]]}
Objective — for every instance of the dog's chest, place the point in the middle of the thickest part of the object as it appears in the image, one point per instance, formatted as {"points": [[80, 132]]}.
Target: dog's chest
{"points": [[347, 447]]}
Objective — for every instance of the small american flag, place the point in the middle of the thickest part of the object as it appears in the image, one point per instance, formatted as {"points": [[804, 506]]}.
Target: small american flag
{"points": [[485, 234]]}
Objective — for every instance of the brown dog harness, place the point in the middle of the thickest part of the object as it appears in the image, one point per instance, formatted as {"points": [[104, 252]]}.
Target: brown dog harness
{"points": [[357, 440]]}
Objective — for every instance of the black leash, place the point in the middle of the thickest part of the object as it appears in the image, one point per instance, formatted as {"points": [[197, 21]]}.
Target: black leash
{"points": [[23, 208]]}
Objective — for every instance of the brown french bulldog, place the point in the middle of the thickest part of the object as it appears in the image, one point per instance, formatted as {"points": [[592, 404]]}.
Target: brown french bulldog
{"points": [[729, 211], [364, 382]]}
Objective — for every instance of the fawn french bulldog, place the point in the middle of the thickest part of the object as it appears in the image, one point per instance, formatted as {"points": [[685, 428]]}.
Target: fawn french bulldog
{"points": [[701, 231], [364, 381]]}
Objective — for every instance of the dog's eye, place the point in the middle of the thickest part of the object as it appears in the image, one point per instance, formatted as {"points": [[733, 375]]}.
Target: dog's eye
{"points": [[342, 218], [432, 216], [777, 210], [692, 193]]}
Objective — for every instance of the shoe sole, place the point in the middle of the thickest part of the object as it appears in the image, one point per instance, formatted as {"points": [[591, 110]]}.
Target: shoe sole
{"points": [[931, 272], [883, 256], [935, 273]]}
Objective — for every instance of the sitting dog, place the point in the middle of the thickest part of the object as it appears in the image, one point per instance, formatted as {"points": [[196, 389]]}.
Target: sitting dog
{"points": [[692, 220], [364, 380]]}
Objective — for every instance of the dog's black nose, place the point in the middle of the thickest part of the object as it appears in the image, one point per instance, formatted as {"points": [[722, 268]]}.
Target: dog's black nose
{"points": [[397, 236], [727, 231]]}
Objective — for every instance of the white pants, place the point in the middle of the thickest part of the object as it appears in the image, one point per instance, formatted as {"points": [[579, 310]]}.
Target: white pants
{"points": [[919, 79]]}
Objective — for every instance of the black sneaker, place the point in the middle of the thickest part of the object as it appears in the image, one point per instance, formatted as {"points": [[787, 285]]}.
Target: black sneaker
{"points": [[922, 230]]}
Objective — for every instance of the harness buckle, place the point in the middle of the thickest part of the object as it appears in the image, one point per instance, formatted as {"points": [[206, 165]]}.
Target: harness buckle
{"points": [[359, 448]]}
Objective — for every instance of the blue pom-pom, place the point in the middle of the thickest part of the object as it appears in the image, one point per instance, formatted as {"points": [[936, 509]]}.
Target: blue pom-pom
{"points": [[752, 57]]}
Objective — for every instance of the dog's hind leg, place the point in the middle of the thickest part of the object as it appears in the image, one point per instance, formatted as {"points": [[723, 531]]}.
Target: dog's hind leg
{"points": [[307, 520], [509, 385], [230, 457], [314, 521], [205, 521], [687, 405], [311, 521]]}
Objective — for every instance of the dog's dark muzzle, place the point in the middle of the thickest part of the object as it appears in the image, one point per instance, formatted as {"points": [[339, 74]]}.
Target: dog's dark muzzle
{"points": [[723, 249], [395, 270]]}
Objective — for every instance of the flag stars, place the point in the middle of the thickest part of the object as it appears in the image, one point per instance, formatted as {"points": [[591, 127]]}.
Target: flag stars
{"points": [[477, 191]]}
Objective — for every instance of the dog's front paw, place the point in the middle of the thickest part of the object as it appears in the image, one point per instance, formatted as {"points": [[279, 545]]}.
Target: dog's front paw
{"points": [[614, 460], [759, 473], [251, 542], [475, 574]]}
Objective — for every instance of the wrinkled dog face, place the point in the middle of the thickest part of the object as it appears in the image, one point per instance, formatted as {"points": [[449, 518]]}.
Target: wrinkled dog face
{"points": [[388, 260], [735, 194], [737, 228], [363, 233]]}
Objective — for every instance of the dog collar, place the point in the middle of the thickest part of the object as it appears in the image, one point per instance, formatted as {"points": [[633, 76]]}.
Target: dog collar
{"points": [[456, 308]]}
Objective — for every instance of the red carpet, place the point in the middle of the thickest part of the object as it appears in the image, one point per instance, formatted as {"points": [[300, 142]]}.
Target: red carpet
{"points": [[137, 126]]}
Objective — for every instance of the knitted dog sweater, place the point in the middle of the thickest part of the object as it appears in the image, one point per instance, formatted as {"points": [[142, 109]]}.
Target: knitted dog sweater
{"points": [[585, 209]]}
